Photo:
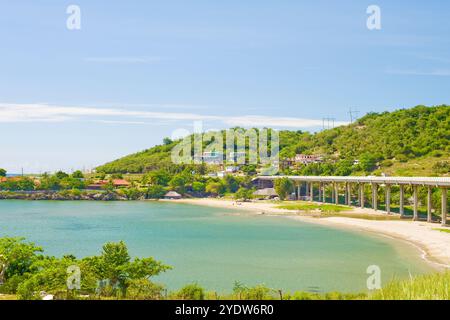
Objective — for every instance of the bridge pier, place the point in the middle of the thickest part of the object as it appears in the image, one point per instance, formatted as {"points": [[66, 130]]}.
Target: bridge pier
{"points": [[402, 201], [374, 196], [429, 204], [347, 194], [444, 206], [332, 184], [336, 193], [388, 199], [415, 204], [361, 195]]}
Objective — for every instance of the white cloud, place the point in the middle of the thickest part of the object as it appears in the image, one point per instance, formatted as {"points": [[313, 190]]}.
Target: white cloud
{"points": [[14, 113]]}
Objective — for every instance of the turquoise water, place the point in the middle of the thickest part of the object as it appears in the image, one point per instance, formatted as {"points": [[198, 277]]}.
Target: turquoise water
{"points": [[214, 247]]}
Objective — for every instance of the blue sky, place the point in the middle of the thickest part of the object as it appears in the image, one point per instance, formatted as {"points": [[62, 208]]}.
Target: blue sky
{"points": [[139, 70]]}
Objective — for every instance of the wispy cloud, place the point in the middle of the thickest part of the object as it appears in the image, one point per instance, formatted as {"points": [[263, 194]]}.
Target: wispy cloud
{"points": [[124, 60], [28, 113], [414, 72]]}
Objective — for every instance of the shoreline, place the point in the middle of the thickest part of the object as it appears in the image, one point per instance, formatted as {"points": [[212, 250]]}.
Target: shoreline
{"points": [[433, 245]]}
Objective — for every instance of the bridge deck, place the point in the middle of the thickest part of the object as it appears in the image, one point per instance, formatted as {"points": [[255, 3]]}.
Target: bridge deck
{"points": [[422, 181]]}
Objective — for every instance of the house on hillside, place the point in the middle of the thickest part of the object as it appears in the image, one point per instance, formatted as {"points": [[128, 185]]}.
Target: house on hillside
{"points": [[210, 157], [301, 159], [231, 169], [172, 195], [308, 158]]}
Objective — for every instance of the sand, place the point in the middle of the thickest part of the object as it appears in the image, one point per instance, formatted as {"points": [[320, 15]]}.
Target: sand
{"points": [[434, 245]]}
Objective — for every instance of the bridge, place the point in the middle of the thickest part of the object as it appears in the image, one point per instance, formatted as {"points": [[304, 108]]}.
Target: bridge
{"points": [[318, 185]]}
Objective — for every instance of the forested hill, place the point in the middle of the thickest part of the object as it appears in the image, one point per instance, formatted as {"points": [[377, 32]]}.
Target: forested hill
{"points": [[415, 139]]}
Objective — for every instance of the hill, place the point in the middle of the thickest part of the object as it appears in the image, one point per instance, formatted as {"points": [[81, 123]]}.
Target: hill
{"points": [[411, 141]]}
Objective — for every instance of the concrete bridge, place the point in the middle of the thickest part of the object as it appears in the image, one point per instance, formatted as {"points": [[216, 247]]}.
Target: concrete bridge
{"points": [[320, 182]]}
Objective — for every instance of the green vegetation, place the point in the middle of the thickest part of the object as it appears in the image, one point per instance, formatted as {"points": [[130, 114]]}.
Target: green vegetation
{"points": [[284, 187], [25, 272], [312, 207], [2, 172], [442, 230], [427, 287], [381, 142]]}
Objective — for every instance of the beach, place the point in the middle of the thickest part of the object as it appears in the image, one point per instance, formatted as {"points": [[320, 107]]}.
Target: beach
{"points": [[433, 244]]}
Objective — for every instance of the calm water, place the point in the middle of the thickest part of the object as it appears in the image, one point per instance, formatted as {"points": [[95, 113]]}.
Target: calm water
{"points": [[211, 246]]}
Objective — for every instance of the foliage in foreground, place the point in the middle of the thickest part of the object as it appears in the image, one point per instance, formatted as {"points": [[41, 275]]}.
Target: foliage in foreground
{"points": [[26, 273], [426, 287]]}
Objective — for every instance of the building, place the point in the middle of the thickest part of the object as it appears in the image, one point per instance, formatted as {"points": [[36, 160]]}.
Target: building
{"points": [[221, 174], [308, 158], [172, 195], [266, 193], [231, 169], [301, 159], [120, 183], [237, 157], [210, 157], [117, 183]]}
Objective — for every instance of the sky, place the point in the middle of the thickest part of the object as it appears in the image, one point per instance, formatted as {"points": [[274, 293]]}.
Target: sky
{"points": [[139, 71]]}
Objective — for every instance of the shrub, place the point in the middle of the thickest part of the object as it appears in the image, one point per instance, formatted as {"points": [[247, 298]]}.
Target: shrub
{"points": [[191, 292]]}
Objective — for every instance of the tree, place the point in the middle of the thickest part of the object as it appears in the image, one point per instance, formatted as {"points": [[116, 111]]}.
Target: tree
{"points": [[231, 183], [198, 186], [215, 188], [155, 192], [178, 182], [191, 292], [78, 175], [116, 266], [17, 258], [344, 168], [367, 162], [243, 194], [160, 177], [284, 187], [167, 141], [2, 172], [61, 175]]}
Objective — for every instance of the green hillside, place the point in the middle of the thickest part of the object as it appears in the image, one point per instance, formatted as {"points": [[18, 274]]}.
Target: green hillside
{"points": [[411, 141]]}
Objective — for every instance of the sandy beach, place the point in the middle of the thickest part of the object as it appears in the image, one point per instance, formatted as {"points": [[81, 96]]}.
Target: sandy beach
{"points": [[434, 245]]}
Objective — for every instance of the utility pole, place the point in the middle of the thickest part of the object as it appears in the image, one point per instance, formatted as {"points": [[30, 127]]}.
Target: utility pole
{"points": [[353, 114], [329, 123]]}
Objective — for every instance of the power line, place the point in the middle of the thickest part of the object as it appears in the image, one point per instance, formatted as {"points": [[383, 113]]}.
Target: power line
{"points": [[353, 114], [328, 123]]}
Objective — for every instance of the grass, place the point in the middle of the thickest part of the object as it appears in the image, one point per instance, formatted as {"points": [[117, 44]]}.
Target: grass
{"points": [[333, 210], [313, 207], [422, 166], [363, 216], [427, 287], [442, 230]]}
